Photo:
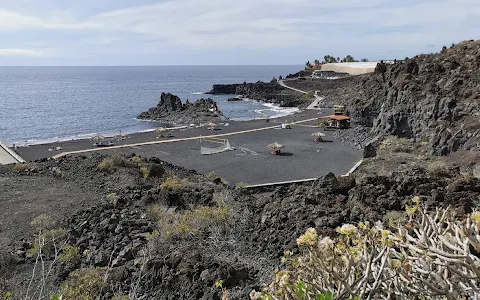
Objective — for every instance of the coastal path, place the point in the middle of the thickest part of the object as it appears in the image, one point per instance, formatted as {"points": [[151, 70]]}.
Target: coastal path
{"points": [[178, 140], [316, 101]]}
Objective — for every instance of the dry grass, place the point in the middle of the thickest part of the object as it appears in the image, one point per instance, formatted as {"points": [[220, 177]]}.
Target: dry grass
{"points": [[394, 144], [189, 223], [438, 168], [110, 164], [172, 182], [20, 168]]}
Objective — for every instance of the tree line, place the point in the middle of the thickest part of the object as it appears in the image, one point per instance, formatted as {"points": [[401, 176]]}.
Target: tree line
{"points": [[327, 59]]}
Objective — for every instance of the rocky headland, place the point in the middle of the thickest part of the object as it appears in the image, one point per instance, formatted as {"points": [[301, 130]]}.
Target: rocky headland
{"points": [[170, 109], [433, 98]]}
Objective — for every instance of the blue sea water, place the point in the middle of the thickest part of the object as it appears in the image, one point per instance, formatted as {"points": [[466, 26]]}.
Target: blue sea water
{"points": [[46, 104]]}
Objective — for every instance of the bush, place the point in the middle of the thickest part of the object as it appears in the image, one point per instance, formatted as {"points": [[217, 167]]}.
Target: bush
{"points": [[156, 212], [20, 168], [188, 223], [172, 183], [241, 186], [110, 164], [211, 176], [145, 172], [42, 222], [430, 255], [438, 168], [84, 284], [136, 159], [309, 96], [70, 255], [394, 144], [113, 198], [47, 236], [45, 242]]}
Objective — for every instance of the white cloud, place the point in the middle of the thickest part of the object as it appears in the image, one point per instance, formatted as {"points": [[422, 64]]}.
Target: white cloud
{"points": [[20, 52], [307, 27]]}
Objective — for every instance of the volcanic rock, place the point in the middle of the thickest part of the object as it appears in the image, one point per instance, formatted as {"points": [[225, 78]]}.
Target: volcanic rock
{"points": [[170, 109]]}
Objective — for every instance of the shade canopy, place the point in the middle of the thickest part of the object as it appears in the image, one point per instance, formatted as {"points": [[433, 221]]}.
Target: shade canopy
{"points": [[98, 138], [318, 134], [276, 146]]}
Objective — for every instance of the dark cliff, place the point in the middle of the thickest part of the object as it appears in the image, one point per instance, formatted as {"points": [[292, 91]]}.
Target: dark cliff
{"points": [[432, 98]]}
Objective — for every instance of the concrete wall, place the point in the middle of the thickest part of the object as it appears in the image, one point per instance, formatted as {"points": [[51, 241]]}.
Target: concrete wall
{"points": [[356, 68], [8, 156]]}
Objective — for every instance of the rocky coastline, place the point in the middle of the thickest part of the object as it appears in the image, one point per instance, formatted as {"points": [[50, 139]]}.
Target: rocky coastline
{"points": [[268, 92], [171, 110]]}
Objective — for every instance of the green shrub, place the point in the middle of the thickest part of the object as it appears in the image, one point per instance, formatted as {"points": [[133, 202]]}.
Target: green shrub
{"points": [[42, 222], [110, 164], [211, 176], [420, 259], [113, 198], [136, 159], [88, 284], [309, 96], [70, 255], [189, 223], [107, 166], [241, 186], [46, 241], [145, 172], [172, 183]]}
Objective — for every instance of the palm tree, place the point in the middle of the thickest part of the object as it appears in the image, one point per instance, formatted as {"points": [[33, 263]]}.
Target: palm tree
{"points": [[317, 63], [308, 64]]}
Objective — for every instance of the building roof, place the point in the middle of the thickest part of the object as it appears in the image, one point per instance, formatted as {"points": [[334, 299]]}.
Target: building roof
{"points": [[338, 118]]}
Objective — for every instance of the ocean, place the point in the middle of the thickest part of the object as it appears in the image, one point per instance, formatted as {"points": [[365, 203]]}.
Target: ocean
{"points": [[49, 104]]}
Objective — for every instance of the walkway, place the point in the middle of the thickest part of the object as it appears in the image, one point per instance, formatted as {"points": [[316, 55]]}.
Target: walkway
{"points": [[315, 102]]}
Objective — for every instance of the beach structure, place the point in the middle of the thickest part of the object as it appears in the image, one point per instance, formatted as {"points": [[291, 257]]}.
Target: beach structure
{"points": [[8, 156], [214, 145], [276, 147], [318, 136], [335, 121]]}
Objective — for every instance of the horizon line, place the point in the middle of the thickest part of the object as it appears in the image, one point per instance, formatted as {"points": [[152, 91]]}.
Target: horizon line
{"points": [[199, 65]]}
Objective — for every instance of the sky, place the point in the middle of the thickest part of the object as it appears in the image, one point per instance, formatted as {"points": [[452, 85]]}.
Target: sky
{"points": [[227, 32]]}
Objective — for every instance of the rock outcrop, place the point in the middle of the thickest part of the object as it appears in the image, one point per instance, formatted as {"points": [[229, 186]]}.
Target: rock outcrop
{"points": [[170, 109], [270, 92], [223, 89]]}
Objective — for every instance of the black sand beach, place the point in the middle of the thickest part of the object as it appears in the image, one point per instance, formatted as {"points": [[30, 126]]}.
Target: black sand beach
{"points": [[251, 161]]}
